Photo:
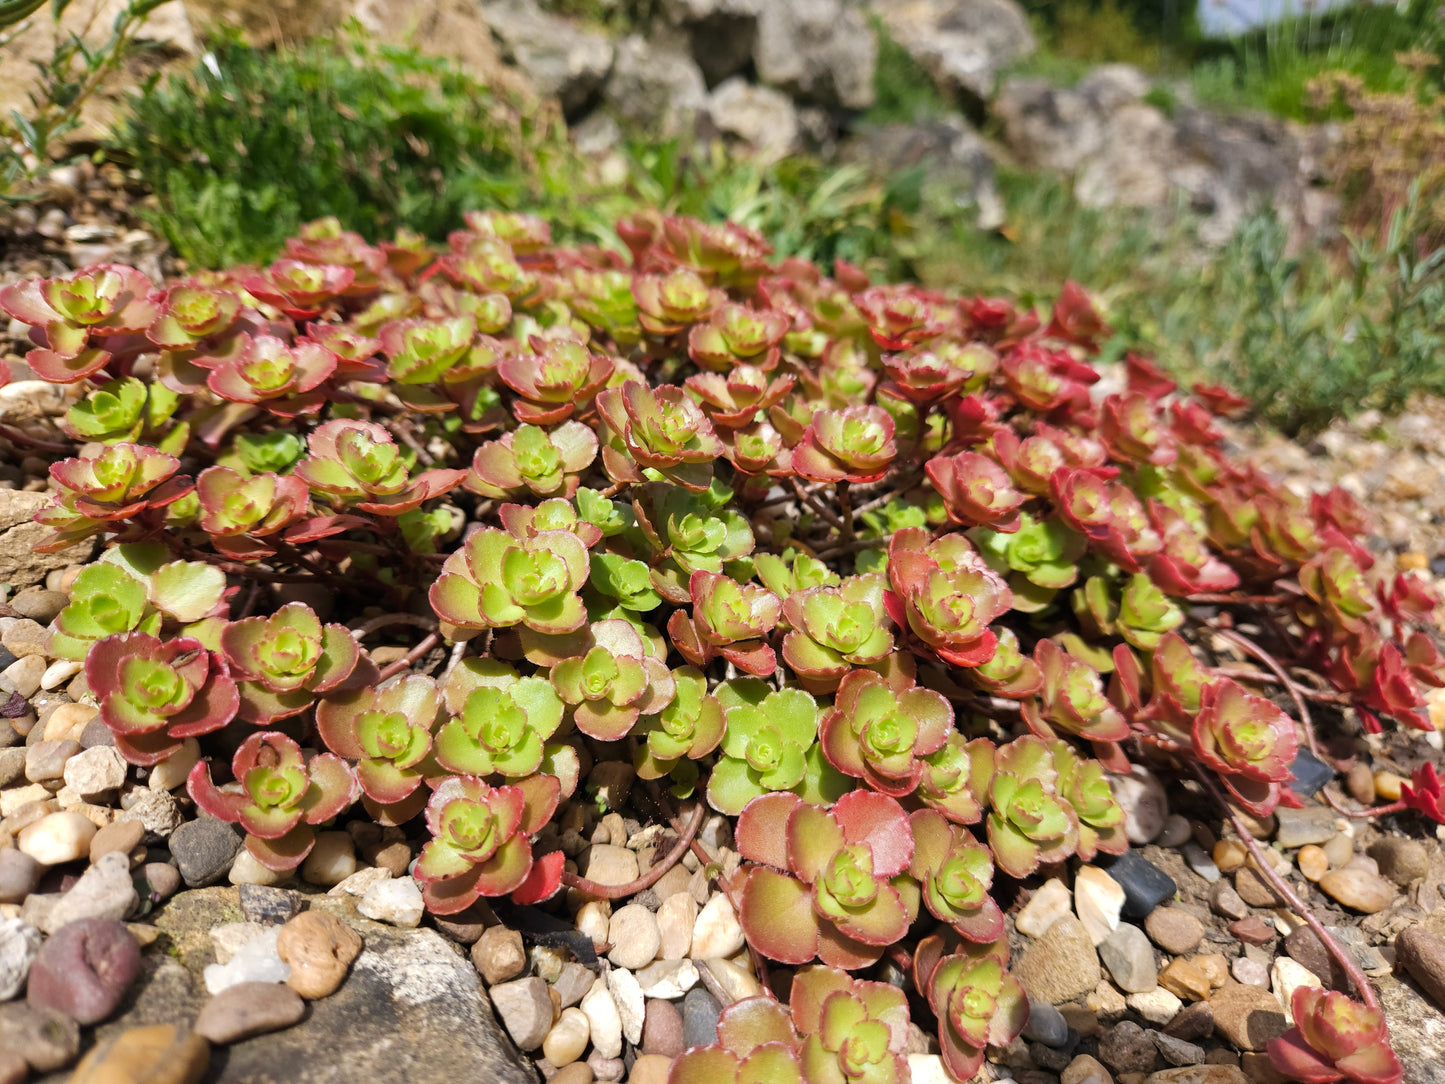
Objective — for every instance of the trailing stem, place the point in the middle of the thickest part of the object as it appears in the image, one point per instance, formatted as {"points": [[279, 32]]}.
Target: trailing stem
{"points": [[1289, 895]]}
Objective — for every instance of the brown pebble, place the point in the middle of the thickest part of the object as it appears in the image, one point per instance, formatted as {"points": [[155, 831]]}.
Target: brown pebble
{"points": [[1185, 980], [1423, 955], [1359, 889], [662, 1029], [1305, 948], [1174, 930], [1247, 1016], [1258, 1069], [1387, 786], [650, 1069], [1224, 900], [1312, 862], [159, 1054], [1253, 930], [1192, 1023], [1215, 966], [319, 947], [1229, 855], [579, 1072], [390, 856], [13, 1068], [122, 836], [499, 955], [1253, 889], [249, 1008], [1360, 782]]}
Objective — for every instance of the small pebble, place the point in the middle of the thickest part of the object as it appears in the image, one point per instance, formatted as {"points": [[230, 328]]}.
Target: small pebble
{"points": [[499, 955], [1145, 885], [1400, 860], [319, 949], [1252, 930], [1200, 862], [652, 1069], [1248, 1016], [204, 850], [58, 673], [1229, 855], [604, 1023], [662, 1029], [1176, 831], [1285, 977], [1085, 1069], [1339, 850], [121, 836], [172, 772], [1128, 1048], [46, 1039], [1310, 774], [671, 979], [1051, 902], [57, 838], [525, 1009], [1250, 971], [45, 760], [269, 905], [1174, 930], [593, 918], [1130, 959], [635, 938], [1423, 955], [247, 1009], [252, 959], [675, 920], [1061, 965], [1296, 827], [105, 890], [397, 901], [1312, 862], [1359, 889], [631, 1007], [1185, 980], [567, 1039], [605, 1069], [1225, 901], [1098, 901], [1178, 1051], [579, 1072], [160, 1052], [331, 861], [1193, 1023], [1387, 786], [1360, 782], [1046, 1024], [718, 932], [84, 969], [19, 945], [19, 874], [1144, 802], [700, 1012], [609, 865]]}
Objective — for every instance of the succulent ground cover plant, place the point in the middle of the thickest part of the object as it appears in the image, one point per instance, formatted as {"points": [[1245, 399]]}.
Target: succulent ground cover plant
{"points": [[885, 575]]}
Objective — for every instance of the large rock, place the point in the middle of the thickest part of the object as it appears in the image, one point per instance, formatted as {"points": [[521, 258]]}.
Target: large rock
{"points": [[819, 51], [20, 564], [563, 60], [963, 44], [758, 119], [166, 35], [956, 159], [412, 1009], [721, 33], [452, 29], [1124, 151], [655, 87]]}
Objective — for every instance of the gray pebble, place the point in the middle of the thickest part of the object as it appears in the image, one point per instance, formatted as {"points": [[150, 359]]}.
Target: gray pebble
{"points": [[19, 874], [700, 1012], [204, 850], [1129, 957], [1046, 1025], [1177, 1051]]}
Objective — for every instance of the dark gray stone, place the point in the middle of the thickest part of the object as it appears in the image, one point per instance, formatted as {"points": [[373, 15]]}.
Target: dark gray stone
{"points": [[1310, 774], [204, 850], [1145, 885], [1046, 1024], [19, 874]]}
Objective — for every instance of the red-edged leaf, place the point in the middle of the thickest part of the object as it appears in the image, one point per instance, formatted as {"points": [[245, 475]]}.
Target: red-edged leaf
{"points": [[544, 880], [762, 831], [777, 916], [879, 822]]}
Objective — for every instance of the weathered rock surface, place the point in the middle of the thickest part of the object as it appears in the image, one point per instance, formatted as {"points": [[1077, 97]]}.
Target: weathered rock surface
{"points": [[412, 1008], [963, 44], [562, 60], [820, 51]]}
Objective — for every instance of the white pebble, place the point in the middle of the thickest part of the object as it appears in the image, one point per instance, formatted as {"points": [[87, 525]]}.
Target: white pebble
{"points": [[254, 961], [172, 772], [23, 675], [627, 994], [331, 861], [603, 1019], [1285, 977], [57, 838], [58, 673], [593, 918], [1049, 904], [718, 932], [1144, 802], [246, 870], [398, 902], [1098, 901], [95, 771], [567, 1039]]}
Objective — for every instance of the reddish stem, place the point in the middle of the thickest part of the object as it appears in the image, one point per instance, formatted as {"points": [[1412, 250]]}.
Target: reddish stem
{"points": [[1288, 894], [687, 835], [19, 436], [430, 641], [420, 621], [1206, 599]]}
